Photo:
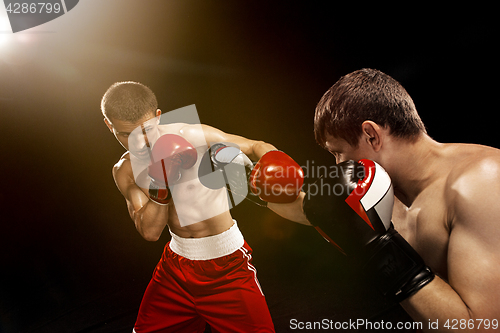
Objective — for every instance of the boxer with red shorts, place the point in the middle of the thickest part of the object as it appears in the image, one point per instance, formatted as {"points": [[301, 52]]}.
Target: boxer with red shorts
{"points": [[205, 280], [205, 275]]}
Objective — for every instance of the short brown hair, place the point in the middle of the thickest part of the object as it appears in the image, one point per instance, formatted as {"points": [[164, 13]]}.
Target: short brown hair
{"points": [[365, 94], [128, 101]]}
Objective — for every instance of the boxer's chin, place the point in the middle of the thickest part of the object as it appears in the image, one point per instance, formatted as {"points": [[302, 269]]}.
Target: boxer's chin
{"points": [[141, 154]]}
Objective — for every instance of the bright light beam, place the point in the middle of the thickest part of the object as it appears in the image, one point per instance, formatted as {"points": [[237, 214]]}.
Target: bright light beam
{"points": [[5, 29]]}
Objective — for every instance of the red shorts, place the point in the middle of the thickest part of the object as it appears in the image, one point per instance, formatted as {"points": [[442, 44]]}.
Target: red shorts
{"points": [[185, 294]]}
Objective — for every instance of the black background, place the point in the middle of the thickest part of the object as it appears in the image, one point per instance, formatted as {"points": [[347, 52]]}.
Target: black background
{"points": [[70, 257]]}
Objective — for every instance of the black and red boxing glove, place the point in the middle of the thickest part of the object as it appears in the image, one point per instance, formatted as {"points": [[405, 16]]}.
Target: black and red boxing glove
{"points": [[169, 155], [276, 178], [354, 213]]}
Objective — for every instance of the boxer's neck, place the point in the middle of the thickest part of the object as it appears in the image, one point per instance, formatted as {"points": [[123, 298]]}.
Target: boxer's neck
{"points": [[412, 165]]}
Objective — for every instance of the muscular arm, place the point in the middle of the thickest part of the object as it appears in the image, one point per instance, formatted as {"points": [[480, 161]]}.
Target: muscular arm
{"points": [[291, 211], [255, 150], [473, 291], [149, 218]]}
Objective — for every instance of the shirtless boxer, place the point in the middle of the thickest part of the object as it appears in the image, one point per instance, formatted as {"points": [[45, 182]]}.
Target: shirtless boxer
{"points": [[445, 205], [205, 274]]}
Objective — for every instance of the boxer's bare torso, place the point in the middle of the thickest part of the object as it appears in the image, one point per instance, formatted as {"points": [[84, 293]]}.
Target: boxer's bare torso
{"points": [[206, 210], [191, 196], [447, 209], [443, 199]]}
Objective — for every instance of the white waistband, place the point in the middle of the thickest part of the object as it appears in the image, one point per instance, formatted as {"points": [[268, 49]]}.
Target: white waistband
{"points": [[210, 247]]}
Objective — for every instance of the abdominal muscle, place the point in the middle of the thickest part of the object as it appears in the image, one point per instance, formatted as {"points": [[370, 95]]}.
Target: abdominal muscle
{"points": [[209, 227]]}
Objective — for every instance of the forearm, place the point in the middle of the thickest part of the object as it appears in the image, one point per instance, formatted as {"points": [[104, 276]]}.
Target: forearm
{"points": [[290, 211], [258, 149], [439, 303], [150, 220]]}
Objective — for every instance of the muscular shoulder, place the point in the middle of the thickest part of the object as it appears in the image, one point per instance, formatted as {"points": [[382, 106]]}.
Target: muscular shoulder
{"points": [[191, 129], [473, 166], [209, 134], [213, 134], [122, 164], [122, 172], [473, 184], [194, 133]]}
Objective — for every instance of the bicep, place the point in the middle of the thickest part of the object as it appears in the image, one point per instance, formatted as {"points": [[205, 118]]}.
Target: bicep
{"points": [[133, 194], [213, 135], [474, 253], [136, 199], [291, 211]]}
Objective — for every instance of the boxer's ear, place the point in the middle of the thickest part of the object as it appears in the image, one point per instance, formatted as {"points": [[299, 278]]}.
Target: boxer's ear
{"points": [[108, 123], [373, 134]]}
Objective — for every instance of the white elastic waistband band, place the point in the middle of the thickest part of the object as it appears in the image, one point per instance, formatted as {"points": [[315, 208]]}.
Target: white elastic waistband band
{"points": [[210, 247]]}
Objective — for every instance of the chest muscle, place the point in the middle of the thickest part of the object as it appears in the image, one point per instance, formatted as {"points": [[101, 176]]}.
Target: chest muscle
{"points": [[424, 226]]}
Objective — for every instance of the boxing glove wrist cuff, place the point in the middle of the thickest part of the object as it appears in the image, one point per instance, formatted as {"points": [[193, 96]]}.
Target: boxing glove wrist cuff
{"points": [[255, 198], [159, 194], [267, 152], [394, 267], [418, 282]]}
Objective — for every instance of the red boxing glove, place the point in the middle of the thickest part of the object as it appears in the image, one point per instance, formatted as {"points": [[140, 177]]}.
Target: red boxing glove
{"points": [[169, 154], [276, 178]]}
